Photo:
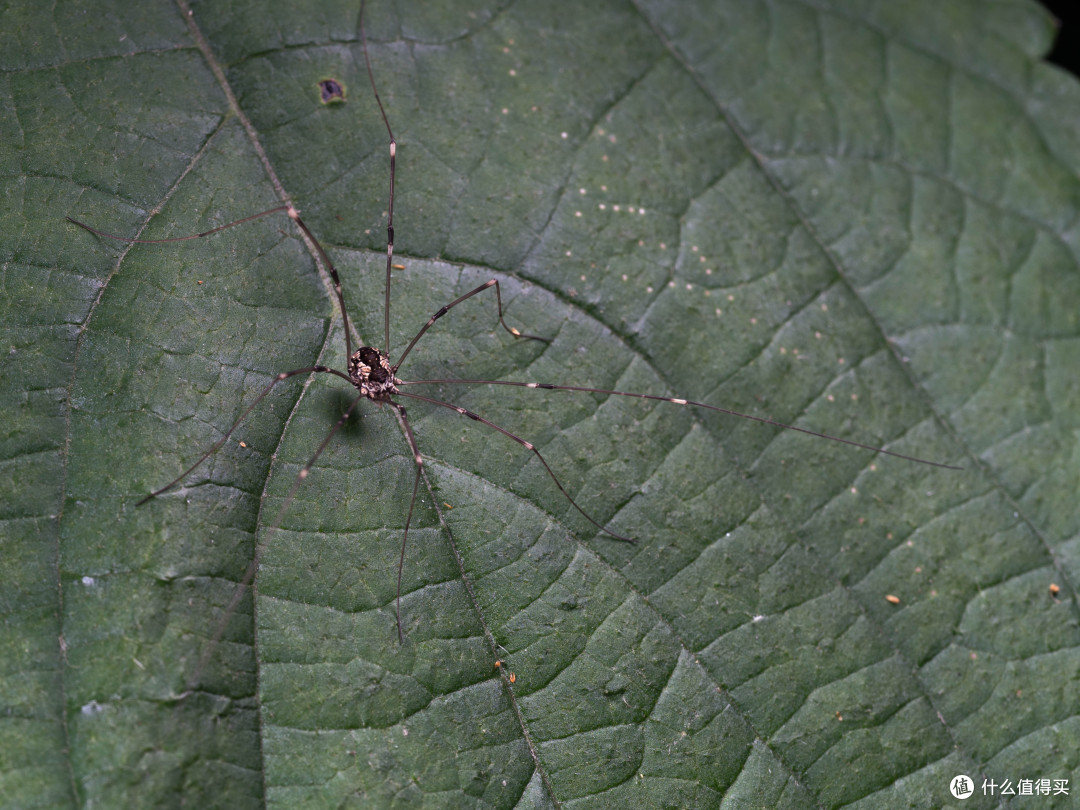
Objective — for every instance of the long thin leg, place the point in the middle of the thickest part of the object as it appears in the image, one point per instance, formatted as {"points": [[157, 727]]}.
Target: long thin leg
{"points": [[527, 446], [412, 502], [675, 401], [386, 307], [131, 241], [390, 209], [498, 299], [217, 445], [249, 574], [293, 214]]}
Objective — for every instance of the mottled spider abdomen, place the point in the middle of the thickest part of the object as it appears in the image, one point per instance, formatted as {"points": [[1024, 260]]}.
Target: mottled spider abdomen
{"points": [[370, 372]]}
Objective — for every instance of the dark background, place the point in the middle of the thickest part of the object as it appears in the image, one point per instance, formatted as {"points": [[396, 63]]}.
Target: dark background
{"points": [[1066, 52]]}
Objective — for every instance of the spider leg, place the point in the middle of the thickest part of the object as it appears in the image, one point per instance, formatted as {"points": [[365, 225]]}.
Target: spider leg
{"points": [[498, 298], [249, 574], [131, 241], [412, 502], [293, 214], [676, 401], [217, 445], [528, 446], [393, 162]]}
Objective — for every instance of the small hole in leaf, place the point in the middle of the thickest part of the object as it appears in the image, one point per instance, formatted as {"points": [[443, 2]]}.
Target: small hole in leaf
{"points": [[332, 91]]}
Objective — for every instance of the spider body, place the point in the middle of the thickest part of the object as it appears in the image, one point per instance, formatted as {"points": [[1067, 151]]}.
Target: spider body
{"points": [[370, 371]]}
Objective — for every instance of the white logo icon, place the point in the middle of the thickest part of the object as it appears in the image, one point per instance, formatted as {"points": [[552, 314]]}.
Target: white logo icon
{"points": [[961, 787]]}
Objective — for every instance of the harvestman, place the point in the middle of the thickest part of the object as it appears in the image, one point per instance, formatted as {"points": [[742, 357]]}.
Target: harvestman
{"points": [[375, 377]]}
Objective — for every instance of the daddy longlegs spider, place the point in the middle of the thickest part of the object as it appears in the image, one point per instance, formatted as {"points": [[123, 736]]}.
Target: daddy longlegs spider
{"points": [[375, 377]]}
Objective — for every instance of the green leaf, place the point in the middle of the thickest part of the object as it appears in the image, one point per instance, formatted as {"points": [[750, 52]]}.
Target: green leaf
{"points": [[855, 217]]}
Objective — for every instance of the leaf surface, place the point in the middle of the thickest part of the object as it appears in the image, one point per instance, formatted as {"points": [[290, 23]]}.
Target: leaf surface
{"points": [[854, 217]]}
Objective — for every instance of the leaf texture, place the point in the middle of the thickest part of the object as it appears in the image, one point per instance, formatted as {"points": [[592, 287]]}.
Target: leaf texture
{"points": [[857, 217]]}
